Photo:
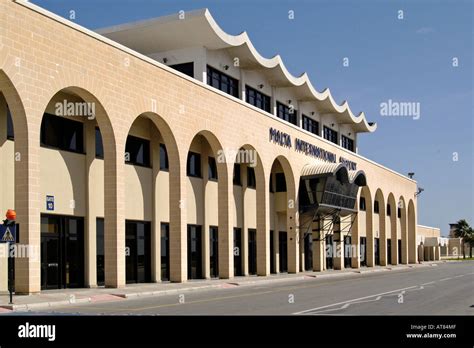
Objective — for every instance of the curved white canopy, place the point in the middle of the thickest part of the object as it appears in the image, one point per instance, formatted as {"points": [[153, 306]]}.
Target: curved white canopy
{"points": [[199, 29]]}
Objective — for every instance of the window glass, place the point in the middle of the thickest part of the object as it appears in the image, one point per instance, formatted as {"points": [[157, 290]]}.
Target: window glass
{"points": [[164, 165], [194, 164], [330, 134], [212, 171], [251, 183], [280, 182], [62, 134], [137, 151], [257, 99]]}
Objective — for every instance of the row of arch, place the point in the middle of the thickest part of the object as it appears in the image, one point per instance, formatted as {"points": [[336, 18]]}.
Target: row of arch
{"points": [[26, 191]]}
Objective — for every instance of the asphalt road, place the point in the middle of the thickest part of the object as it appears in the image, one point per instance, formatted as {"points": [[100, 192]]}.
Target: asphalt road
{"points": [[444, 289]]}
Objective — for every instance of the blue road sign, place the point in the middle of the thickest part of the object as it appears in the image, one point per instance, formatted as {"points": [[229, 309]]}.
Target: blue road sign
{"points": [[49, 202], [7, 233]]}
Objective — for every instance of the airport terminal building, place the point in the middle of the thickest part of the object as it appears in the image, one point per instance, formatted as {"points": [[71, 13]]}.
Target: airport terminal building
{"points": [[169, 150]]}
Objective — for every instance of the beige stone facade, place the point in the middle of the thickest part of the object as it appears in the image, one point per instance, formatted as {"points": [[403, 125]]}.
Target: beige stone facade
{"points": [[45, 60]]}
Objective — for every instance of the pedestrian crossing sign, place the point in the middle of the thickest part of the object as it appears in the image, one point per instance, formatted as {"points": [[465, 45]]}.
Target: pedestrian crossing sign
{"points": [[7, 233]]}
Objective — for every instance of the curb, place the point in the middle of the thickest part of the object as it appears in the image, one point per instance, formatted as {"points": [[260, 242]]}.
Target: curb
{"points": [[165, 292], [121, 296]]}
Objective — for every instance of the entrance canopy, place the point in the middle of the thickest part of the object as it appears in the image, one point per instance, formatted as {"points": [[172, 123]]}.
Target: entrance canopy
{"points": [[326, 187]]}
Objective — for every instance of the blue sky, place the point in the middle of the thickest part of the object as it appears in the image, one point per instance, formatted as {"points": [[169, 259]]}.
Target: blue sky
{"points": [[405, 60]]}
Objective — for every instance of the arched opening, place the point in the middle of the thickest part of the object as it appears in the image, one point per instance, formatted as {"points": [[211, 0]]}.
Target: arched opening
{"points": [[209, 253], [365, 228], [412, 247], [283, 239], [380, 236], [247, 179], [391, 230], [12, 118], [150, 158], [72, 172]]}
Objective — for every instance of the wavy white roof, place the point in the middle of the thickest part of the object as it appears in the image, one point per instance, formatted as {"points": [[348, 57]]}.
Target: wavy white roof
{"points": [[199, 29]]}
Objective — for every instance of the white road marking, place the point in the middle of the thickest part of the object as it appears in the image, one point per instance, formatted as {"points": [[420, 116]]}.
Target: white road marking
{"points": [[427, 283], [354, 300], [349, 302]]}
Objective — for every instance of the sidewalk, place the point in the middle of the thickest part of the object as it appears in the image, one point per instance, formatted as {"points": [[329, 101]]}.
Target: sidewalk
{"points": [[52, 298]]}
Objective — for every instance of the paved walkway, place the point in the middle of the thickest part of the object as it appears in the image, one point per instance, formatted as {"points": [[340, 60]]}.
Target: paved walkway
{"points": [[51, 298]]}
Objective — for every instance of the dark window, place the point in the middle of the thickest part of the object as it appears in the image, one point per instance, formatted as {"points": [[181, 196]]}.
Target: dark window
{"points": [[99, 146], [389, 210], [286, 113], [251, 182], [258, 99], [237, 178], [376, 207], [194, 252], [399, 213], [223, 82], [271, 183], [137, 151], [213, 251], [347, 143], [165, 251], [280, 182], [237, 251], [99, 230], [62, 134], [164, 165], [194, 165], [330, 134], [185, 68], [10, 132], [362, 204], [138, 257], [212, 171], [252, 251], [310, 125]]}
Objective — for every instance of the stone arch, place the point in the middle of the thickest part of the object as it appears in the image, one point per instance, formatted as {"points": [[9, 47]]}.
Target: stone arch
{"points": [[255, 256], [86, 100], [222, 264], [25, 162], [155, 190], [284, 206]]}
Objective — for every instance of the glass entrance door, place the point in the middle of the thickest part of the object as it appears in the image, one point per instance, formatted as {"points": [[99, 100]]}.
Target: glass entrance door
{"points": [[138, 251], [165, 251], [389, 251], [252, 251], [308, 252], [399, 251], [363, 251], [194, 252], [62, 252], [377, 251], [329, 252], [50, 275], [272, 253], [283, 250], [214, 252], [237, 252], [347, 251]]}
